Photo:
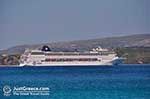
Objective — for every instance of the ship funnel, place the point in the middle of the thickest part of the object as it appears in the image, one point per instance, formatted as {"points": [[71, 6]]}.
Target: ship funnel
{"points": [[46, 48]]}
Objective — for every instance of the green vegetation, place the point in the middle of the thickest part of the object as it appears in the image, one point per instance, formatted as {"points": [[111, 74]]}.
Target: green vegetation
{"points": [[9, 59], [134, 55]]}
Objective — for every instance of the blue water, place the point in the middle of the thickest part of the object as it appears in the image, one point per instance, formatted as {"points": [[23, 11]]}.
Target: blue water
{"points": [[116, 82]]}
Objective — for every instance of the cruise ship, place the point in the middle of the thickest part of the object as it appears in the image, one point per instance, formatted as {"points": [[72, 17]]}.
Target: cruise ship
{"points": [[47, 57]]}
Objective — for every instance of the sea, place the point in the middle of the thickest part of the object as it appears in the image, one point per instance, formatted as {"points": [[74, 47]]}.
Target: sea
{"points": [[76, 82]]}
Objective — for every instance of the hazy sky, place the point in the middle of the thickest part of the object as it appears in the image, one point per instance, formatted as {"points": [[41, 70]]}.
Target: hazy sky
{"points": [[36, 21]]}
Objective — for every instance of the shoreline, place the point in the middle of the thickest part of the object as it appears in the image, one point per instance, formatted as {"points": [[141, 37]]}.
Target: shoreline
{"points": [[3, 66]]}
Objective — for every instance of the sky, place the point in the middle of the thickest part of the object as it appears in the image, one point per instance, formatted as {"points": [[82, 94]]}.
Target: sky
{"points": [[43, 21]]}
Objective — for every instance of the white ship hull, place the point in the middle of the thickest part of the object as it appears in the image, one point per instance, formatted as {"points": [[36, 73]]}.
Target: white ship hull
{"points": [[42, 58], [69, 64], [106, 62]]}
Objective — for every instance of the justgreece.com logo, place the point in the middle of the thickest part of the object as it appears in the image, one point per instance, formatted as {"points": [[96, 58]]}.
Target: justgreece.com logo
{"points": [[25, 90], [7, 90]]}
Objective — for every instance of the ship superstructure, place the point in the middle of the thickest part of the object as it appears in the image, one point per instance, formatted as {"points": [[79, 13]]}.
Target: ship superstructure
{"points": [[46, 57]]}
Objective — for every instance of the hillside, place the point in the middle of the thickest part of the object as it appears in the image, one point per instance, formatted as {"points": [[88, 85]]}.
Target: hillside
{"points": [[138, 40]]}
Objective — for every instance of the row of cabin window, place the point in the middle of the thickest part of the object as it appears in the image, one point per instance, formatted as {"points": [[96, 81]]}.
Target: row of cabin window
{"points": [[47, 54], [88, 59]]}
